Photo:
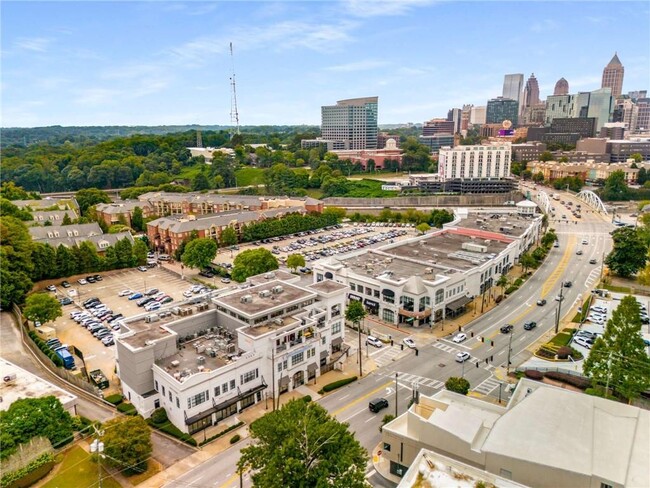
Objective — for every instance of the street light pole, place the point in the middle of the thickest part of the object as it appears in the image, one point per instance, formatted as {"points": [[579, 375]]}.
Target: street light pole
{"points": [[509, 352], [559, 309], [360, 358], [396, 386]]}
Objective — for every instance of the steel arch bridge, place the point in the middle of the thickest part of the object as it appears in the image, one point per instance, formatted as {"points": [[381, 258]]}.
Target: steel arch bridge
{"points": [[593, 200], [544, 201]]}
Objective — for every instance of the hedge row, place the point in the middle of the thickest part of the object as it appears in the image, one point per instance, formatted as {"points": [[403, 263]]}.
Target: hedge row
{"points": [[58, 362], [577, 381], [30, 474], [172, 430], [224, 432], [115, 399], [337, 384], [127, 409]]}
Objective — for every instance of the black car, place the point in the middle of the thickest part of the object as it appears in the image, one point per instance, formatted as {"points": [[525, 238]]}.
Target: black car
{"points": [[65, 284], [207, 273], [506, 329], [90, 279], [530, 325], [377, 404], [592, 261], [98, 277], [65, 301], [541, 302], [567, 284]]}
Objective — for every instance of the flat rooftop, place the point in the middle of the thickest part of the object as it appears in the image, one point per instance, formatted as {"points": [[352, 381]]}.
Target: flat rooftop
{"points": [[27, 385], [327, 286], [258, 304], [272, 325], [203, 354], [374, 264], [494, 222], [272, 275]]}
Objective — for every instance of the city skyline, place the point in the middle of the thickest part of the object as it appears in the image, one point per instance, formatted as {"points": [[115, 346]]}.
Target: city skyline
{"points": [[155, 63]]}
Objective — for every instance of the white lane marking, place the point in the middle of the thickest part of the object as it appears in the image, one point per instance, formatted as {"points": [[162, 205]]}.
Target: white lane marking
{"points": [[371, 473], [344, 397], [354, 415], [371, 418]]}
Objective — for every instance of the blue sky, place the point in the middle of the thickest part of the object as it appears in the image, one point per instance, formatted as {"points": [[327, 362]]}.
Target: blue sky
{"points": [[154, 63]]}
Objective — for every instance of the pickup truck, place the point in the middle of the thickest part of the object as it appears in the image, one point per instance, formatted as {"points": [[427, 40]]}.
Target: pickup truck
{"points": [[99, 379]]}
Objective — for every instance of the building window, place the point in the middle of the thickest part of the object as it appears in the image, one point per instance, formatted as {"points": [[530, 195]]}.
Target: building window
{"points": [[163, 389], [336, 327], [178, 403], [217, 391], [250, 376], [386, 446], [353, 287], [233, 385], [170, 395], [197, 399], [388, 316], [440, 296], [376, 293], [224, 387], [156, 385], [297, 358], [504, 473], [605, 485]]}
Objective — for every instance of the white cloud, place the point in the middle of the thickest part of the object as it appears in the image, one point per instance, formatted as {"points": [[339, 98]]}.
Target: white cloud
{"points": [[590, 81], [37, 44], [97, 96], [376, 8], [544, 26], [365, 65]]}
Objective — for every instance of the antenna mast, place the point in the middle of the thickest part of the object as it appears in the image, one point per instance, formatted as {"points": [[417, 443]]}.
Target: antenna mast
{"points": [[234, 114]]}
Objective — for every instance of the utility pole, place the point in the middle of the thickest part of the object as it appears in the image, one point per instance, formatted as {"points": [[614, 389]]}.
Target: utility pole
{"points": [[98, 446], [396, 386], [273, 371], [360, 358], [559, 309], [509, 352]]}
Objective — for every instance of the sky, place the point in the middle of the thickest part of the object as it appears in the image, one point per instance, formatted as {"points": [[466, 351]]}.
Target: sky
{"points": [[168, 63]]}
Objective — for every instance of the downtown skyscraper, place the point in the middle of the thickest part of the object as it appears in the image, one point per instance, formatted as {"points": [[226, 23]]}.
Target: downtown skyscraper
{"points": [[352, 122], [613, 76], [512, 86]]}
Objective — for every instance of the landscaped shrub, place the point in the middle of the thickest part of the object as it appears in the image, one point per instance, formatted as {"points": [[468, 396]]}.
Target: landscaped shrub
{"points": [[235, 438], [511, 289], [306, 398], [115, 399], [534, 374], [159, 416], [222, 433], [30, 474], [127, 409], [338, 384], [518, 282], [545, 352], [459, 385], [577, 381], [172, 430], [563, 352]]}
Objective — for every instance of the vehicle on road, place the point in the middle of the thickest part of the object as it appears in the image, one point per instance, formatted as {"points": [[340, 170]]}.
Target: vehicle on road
{"points": [[373, 341], [593, 261], [506, 329], [530, 325], [578, 252], [408, 342], [460, 338], [377, 404], [541, 302], [559, 298], [567, 284], [556, 244], [463, 356], [585, 242]]}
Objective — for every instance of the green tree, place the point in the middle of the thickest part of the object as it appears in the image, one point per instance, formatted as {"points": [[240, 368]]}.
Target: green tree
{"points": [[89, 197], [301, 445], [9, 209], [440, 218], [549, 238], [527, 261], [458, 385], [338, 212], [619, 357], [629, 253], [538, 177], [423, 228], [355, 312], [44, 260], [16, 265], [27, 418], [127, 444], [615, 188], [228, 237], [110, 259], [10, 191], [295, 261], [42, 307], [117, 228], [637, 157], [253, 262], [200, 182], [88, 258], [137, 220], [503, 282], [140, 251], [546, 156], [199, 253], [124, 253]]}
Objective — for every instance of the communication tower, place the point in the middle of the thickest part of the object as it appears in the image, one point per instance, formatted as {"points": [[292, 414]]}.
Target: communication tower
{"points": [[234, 114]]}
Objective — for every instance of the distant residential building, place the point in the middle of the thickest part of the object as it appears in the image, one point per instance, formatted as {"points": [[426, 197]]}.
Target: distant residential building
{"points": [[500, 109], [613, 130], [643, 116], [558, 106], [574, 440], [208, 152], [561, 87], [122, 211], [598, 104], [74, 234], [47, 204], [54, 216], [613, 76], [167, 233], [529, 151], [436, 141], [454, 115], [588, 171], [636, 94], [379, 156], [465, 117], [513, 86], [594, 145], [533, 115], [626, 112], [438, 126], [352, 121], [477, 115], [474, 162], [622, 150]]}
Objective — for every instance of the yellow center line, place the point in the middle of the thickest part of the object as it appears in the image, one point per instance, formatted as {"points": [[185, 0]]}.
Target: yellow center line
{"points": [[354, 402]]}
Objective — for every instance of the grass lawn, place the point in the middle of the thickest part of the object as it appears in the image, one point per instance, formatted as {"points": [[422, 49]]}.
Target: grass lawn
{"points": [[562, 339], [314, 193], [249, 176], [154, 467], [617, 289], [377, 176], [189, 172], [79, 470]]}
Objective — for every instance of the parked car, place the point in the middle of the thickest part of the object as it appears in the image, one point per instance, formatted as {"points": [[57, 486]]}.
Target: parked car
{"points": [[142, 268], [150, 307], [225, 280], [506, 329], [51, 288], [583, 341], [151, 292], [125, 293], [187, 293], [373, 341], [377, 404], [135, 296], [166, 300], [98, 277], [408, 342], [460, 338], [530, 325], [463, 356], [82, 281], [65, 284], [65, 301], [541, 302]]}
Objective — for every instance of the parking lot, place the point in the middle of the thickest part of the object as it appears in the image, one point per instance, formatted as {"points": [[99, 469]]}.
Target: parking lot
{"points": [[96, 355]]}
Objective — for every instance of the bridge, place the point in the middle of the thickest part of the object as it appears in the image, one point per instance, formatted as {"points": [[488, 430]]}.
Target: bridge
{"points": [[593, 200]]}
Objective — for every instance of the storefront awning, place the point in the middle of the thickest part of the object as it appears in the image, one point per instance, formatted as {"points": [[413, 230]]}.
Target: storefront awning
{"points": [[200, 416], [254, 390], [312, 368], [323, 354], [387, 292], [371, 303], [337, 340], [458, 303], [352, 296]]}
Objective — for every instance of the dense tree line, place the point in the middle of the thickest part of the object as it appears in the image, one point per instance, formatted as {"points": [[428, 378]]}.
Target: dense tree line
{"points": [[289, 224], [22, 261], [435, 218]]}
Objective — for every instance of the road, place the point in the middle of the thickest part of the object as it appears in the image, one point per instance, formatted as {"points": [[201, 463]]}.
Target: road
{"points": [[436, 360]]}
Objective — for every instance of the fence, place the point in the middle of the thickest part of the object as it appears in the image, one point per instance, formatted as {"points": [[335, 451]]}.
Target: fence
{"points": [[64, 374], [554, 370], [423, 201], [25, 454]]}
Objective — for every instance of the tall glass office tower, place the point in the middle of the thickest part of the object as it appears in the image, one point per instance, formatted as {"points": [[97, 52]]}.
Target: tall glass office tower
{"points": [[352, 121]]}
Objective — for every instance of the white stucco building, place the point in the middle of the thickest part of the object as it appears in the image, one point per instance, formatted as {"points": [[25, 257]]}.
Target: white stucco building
{"points": [[475, 162]]}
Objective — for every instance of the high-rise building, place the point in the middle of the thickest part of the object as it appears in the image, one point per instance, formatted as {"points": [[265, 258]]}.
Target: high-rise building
{"points": [[643, 116], [613, 76], [352, 121], [454, 116], [465, 116], [477, 115], [476, 162], [531, 92], [601, 106], [561, 87], [513, 86], [636, 94], [438, 126], [500, 109]]}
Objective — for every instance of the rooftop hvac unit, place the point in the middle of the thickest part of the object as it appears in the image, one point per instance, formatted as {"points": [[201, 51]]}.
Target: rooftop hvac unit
{"points": [[231, 348], [278, 289], [175, 363], [269, 276], [177, 376], [416, 252], [200, 360], [200, 348], [265, 293], [200, 368], [428, 270], [278, 321], [212, 353], [246, 299]]}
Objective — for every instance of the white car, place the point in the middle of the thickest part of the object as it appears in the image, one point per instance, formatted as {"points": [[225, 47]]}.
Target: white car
{"points": [[373, 341], [408, 342], [460, 338], [461, 357], [125, 293], [583, 341]]}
